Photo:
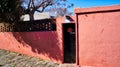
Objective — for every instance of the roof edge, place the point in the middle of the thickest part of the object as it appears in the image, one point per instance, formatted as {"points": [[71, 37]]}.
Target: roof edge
{"points": [[97, 9]]}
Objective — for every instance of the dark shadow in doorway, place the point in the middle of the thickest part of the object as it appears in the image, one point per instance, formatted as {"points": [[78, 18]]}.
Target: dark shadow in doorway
{"points": [[69, 42]]}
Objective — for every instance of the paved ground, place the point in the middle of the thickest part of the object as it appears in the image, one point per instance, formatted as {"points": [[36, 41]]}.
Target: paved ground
{"points": [[11, 59]]}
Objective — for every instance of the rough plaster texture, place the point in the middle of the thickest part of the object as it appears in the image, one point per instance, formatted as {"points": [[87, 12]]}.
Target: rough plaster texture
{"points": [[45, 45], [98, 40], [99, 37]]}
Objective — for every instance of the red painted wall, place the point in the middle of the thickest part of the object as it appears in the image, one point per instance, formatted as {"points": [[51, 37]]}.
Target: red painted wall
{"points": [[98, 39], [99, 36], [45, 45]]}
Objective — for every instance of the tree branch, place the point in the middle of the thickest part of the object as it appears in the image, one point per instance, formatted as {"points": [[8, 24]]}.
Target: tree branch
{"points": [[38, 11], [33, 3], [29, 5], [39, 5], [44, 6]]}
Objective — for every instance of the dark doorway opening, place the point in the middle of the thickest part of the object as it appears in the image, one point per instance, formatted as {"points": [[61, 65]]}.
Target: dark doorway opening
{"points": [[69, 42]]}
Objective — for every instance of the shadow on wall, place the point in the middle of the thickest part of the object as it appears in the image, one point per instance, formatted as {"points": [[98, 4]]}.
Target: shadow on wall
{"points": [[45, 43]]}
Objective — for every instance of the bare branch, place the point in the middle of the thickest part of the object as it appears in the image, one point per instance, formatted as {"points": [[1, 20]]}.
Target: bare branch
{"points": [[33, 3], [37, 7], [46, 5], [29, 5], [41, 5], [38, 11]]}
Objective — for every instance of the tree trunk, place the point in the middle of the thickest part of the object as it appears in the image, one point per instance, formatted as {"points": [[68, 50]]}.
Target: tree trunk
{"points": [[31, 15]]}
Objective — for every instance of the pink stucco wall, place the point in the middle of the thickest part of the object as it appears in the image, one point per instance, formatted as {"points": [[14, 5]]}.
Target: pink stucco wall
{"points": [[45, 45], [97, 39], [99, 36]]}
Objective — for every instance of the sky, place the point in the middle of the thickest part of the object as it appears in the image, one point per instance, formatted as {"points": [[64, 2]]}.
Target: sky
{"points": [[92, 3]]}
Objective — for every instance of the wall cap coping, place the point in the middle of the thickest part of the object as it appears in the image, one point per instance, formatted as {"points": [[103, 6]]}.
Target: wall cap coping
{"points": [[96, 9]]}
